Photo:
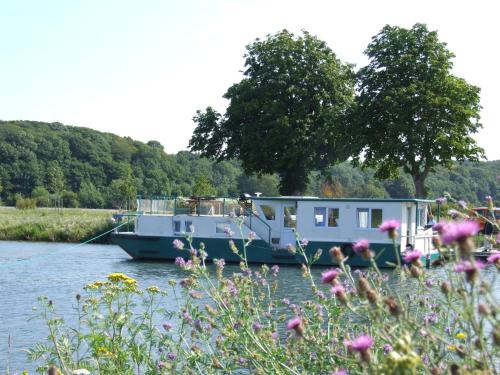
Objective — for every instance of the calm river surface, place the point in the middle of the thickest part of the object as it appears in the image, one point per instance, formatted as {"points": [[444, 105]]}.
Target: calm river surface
{"points": [[59, 271]]}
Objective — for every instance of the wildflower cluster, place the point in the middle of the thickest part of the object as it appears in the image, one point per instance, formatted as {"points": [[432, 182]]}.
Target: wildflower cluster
{"points": [[352, 322]]}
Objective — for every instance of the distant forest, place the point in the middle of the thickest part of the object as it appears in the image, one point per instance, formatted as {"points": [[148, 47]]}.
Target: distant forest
{"points": [[88, 168]]}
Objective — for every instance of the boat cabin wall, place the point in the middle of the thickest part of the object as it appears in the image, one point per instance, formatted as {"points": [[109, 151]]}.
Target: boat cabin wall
{"points": [[326, 220], [177, 225]]}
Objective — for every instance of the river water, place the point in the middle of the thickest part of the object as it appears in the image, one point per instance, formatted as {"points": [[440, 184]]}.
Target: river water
{"points": [[59, 271]]}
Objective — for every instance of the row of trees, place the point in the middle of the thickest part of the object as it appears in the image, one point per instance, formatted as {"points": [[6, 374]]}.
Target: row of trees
{"points": [[299, 109], [73, 166], [45, 162]]}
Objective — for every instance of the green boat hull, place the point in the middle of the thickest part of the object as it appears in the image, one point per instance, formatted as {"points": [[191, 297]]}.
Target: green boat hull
{"points": [[161, 248]]}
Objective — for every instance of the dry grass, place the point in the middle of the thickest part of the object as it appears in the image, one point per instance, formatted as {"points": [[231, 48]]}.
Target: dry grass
{"points": [[47, 224]]}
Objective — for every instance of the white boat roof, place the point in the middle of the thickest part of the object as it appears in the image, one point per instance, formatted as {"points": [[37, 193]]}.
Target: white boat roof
{"points": [[308, 198]]}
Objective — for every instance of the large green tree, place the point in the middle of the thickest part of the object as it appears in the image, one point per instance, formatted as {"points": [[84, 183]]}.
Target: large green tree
{"points": [[286, 115], [412, 112]]}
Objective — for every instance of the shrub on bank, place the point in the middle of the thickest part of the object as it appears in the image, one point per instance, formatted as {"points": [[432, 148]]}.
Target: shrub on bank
{"points": [[355, 323], [25, 203]]}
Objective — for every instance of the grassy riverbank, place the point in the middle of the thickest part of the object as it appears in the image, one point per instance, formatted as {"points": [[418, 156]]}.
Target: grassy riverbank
{"points": [[47, 224]]}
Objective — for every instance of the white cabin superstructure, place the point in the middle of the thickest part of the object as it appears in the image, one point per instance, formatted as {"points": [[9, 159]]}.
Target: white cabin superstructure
{"points": [[275, 223]]}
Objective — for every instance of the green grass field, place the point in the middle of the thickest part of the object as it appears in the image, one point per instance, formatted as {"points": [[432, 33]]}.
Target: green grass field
{"points": [[47, 224]]}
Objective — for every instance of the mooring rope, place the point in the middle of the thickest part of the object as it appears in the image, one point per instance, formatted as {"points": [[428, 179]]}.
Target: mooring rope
{"points": [[46, 255]]}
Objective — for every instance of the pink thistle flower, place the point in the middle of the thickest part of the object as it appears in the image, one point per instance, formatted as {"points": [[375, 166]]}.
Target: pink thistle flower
{"points": [[412, 256], [328, 276], [362, 343], [339, 292], [459, 231], [296, 325], [257, 326], [275, 269], [440, 227], [339, 372], [228, 231], [304, 242], [252, 235], [462, 204], [361, 246], [454, 214], [441, 200], [389, 225], [494, 258], [178, 244], [471, 270], [179, 261], [467, 266]]}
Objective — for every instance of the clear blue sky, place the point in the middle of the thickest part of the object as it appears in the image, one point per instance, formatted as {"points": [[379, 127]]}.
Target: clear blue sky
{"points": [[142, 68]]}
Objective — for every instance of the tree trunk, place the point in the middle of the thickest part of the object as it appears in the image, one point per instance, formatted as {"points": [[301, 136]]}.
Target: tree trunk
{"points": [[293, 182], [419, 182]]}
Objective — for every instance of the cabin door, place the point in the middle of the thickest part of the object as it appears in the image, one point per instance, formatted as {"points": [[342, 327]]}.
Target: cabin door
{"points": [[409, 226], [289, 224]]}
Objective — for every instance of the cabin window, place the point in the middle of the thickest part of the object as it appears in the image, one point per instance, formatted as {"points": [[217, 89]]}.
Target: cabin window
{"points": [[333, 217], [188, 225], [421, 219], [369, 218], [376, 217], [220, 228], [319, 216], [324, 216], [269, 212], [363, 217], [290, 216], [177, 226]]}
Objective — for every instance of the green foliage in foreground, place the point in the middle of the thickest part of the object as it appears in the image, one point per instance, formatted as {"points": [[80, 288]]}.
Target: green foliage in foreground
{"points": [[52, 225], [226, 324]]}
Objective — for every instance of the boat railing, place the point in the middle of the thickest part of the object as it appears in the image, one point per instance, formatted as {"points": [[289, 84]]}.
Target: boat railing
{"points": [[196, 206], [259, 226], [425, 242]]}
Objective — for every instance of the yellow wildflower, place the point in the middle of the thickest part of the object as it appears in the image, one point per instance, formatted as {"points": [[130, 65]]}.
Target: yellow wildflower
{"points": [[153, 289], [95, 285], [461, 336], [452, 348], [101, 351], [117, 277]]}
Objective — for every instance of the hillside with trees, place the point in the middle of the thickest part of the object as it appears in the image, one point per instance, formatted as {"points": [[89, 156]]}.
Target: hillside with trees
{"points": [[87, 168]]}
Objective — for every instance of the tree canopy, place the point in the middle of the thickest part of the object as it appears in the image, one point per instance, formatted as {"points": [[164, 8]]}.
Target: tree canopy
{"points": [[412, 113], [286, 115]]}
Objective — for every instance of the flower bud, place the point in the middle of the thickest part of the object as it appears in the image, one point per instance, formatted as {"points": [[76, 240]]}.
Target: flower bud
{"points": [[372, 296], [445, 287], [496, 336], [363, 285], [337, 254], [436, 241], [483, 309], [415, 271], [392, 305]]}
